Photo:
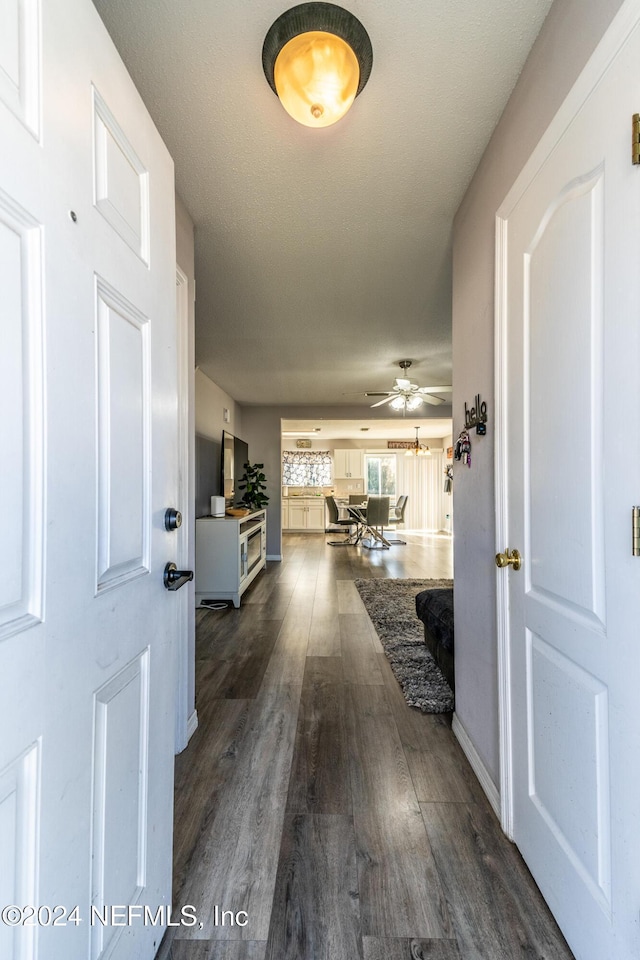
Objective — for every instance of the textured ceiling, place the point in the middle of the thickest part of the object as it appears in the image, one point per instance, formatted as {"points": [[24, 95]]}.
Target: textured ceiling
{"points": [[323, 256]]}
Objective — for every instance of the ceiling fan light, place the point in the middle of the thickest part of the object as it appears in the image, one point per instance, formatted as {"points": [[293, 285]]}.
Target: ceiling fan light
{"points": [[414, 402], [398, 403]]}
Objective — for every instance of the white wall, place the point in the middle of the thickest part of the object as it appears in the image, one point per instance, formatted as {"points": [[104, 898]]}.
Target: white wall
{"points": [[567, 39]]}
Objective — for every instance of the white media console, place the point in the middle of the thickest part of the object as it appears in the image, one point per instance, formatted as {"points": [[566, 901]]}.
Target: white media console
{"points": [[230, 553]]}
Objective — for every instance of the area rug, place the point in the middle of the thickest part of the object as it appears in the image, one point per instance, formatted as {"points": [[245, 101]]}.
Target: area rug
{"points": [[391, 605]]}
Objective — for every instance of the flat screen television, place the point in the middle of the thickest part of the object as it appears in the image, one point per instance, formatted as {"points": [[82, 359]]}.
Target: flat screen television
{"points": [[235, 453], [207, 473], [228, 472]]}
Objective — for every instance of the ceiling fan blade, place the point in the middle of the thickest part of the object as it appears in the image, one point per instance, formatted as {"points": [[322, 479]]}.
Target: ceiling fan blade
{"points": [[381, 393], [447, 389], [403, 384], [427, 398], [381, 402]]}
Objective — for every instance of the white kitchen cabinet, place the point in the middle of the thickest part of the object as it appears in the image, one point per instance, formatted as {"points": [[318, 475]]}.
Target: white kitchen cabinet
{"points": [[315, 515], [305, 514], [298, 515], [348, 464], [285, 513]]}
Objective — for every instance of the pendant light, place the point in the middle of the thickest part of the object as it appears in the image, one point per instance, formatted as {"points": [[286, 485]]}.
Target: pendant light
{"points": [[417, 449], [317, 58]]}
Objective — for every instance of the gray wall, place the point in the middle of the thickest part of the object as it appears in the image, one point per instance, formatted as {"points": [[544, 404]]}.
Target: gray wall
{"points": [[567, 39], [261, 429], [210, 404]]}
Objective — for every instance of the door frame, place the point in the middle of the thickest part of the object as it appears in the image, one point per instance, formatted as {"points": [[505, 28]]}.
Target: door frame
{"points": [[185, 721], [616, 35]]}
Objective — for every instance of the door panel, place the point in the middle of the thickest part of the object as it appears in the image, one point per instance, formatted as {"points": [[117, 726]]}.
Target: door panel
{"points": [[563, 278], [87, 630], [21, 435], [120, 791], [121, 182], [562, 696], [19, 800], [124, 405], [570, 313], [20, 64]]}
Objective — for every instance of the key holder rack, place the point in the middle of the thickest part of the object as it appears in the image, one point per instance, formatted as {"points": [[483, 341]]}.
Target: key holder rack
{"points": [[476, 416]]}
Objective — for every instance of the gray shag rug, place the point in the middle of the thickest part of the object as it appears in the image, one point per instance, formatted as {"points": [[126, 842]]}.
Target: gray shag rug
{"points": [[391, 605]]}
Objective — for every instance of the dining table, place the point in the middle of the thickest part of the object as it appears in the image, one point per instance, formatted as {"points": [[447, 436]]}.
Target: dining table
{"points": [[345, 508], [375, 535]]}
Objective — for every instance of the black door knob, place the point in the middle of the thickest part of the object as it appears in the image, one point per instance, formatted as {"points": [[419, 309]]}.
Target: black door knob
{"points": [[174, 578]]}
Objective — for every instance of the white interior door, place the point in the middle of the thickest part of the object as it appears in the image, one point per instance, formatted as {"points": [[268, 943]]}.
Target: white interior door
{"points": [[88, 389], [570, 312]]}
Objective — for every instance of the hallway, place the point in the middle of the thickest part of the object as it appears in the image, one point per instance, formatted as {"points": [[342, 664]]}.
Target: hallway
{"points": [[328, 819]]}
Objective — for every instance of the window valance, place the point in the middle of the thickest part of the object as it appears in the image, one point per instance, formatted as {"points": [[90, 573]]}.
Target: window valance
{"points": [[308, 468]]}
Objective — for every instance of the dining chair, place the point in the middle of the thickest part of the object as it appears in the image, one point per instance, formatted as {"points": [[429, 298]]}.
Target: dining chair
{"points": [[335, 521], [376, 518], [398, 517]]}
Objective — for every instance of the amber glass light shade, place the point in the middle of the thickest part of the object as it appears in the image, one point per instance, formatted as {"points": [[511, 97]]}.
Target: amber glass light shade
{"points": [[317, 59], [316, 76]]}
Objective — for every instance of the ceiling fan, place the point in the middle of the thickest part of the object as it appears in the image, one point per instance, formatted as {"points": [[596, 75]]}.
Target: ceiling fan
{"points": [[407, 395]]}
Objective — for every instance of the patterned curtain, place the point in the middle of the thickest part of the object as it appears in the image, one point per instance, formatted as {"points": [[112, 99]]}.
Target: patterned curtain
{"points": [[309, 469]]}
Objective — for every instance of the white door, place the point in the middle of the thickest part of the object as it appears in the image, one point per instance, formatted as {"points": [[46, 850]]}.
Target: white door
{"points": [[88, 440], [570, 321]]}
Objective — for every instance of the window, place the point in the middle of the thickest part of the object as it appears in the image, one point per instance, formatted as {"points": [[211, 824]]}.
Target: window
{"points": [[380, 475], [311, 469]]}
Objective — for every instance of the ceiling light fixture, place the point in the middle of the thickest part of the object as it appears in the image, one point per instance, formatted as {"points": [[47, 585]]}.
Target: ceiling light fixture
{"points": [[317, 58], [418, 449], [406, 402]]}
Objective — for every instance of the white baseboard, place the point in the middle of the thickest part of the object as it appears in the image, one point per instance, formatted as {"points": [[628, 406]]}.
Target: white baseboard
{"points": [[274, 556], [192, 725], [478, 767]]}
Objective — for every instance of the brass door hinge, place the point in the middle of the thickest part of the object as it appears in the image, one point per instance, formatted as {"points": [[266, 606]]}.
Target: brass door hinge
{"points": [[635, 531], [635, 138]]}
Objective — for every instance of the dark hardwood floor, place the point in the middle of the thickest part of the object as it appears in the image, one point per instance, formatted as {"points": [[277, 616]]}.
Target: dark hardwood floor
{"points": [[325, 817]]}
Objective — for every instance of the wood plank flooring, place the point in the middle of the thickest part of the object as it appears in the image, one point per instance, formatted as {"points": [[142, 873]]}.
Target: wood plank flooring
{"points": [[325, 817]]}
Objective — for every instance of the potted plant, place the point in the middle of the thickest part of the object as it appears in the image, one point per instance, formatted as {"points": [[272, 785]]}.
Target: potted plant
{"points": [[254, 483]]}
